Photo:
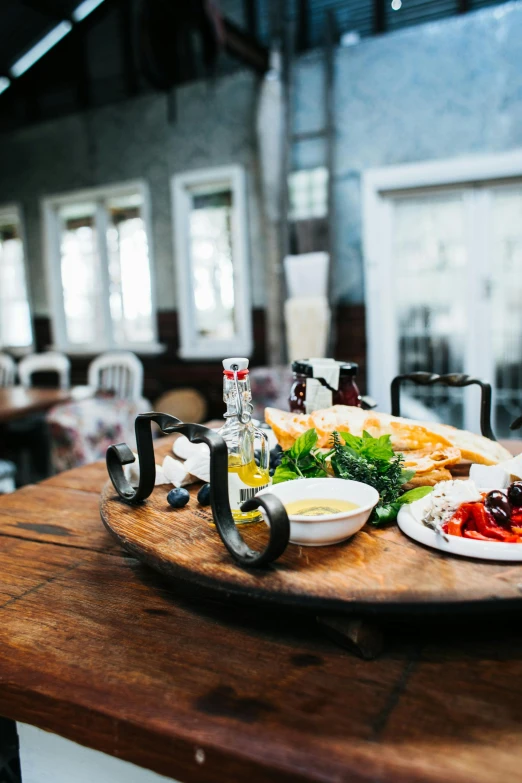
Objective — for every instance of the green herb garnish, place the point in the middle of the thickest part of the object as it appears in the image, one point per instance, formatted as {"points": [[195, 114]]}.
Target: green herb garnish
{"points": [[303, 460], [367, 459]]}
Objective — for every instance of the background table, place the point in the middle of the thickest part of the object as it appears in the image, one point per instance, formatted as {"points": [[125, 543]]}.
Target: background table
{"points": [[100, 650], [17, 402]]}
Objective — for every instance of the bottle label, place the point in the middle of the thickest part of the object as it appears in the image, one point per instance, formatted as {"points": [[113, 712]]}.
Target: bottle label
{"points": [[238, 491], [317, 396]]}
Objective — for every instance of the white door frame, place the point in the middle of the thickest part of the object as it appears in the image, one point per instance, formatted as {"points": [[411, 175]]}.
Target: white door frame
{"points": [[377, 186]]}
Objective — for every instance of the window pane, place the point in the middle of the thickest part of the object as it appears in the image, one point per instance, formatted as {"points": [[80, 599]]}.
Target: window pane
{"points": [[15, 317], [506, 305], [429, 248], [81, 277], [129, 272], [212, 264], [308, 193]]}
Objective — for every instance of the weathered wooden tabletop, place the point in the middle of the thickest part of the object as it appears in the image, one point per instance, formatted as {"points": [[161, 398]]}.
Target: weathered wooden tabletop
{"points": [[101, 650], [17, 402]]}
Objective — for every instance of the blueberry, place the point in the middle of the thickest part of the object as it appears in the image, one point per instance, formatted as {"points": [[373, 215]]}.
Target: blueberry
{"points": [[204, 495], [276, 455], [257, 457], [271, 472], [178, 497]]}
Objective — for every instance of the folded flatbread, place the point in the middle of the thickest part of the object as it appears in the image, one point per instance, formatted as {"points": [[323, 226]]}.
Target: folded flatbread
{"points": [[433, 441]]}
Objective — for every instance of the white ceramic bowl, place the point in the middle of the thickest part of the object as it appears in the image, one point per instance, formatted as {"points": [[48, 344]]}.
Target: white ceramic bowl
{"points": [[333, 528]]}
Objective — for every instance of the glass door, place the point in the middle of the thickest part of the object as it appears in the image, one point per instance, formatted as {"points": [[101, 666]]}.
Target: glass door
{"points": [[429, 256], [445, 295], [505, 298]]}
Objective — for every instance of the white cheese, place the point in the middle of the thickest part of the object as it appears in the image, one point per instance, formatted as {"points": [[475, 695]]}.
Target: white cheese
{"points": [[199, 465], [176, 472], [132, 473], [489, 476], [184, 448], [513, 467], [445, 499]]}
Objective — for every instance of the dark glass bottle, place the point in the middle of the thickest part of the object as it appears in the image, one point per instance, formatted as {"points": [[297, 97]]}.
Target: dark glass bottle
{"points": [[347, 392]]}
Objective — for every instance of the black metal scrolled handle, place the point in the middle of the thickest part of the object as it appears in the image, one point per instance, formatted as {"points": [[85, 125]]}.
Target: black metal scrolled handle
{"points": [[451, 379], [517, 424], [120, 455]]}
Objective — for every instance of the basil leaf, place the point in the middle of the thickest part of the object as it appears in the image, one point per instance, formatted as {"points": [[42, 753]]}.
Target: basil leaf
{"points": [[414, 494], [383, 514], [283, 473], [406, 475], [304, 444]]}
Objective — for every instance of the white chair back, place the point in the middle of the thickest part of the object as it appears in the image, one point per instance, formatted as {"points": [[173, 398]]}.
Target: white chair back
{"points": [[118, 371], [51, 361], [7, 370]]}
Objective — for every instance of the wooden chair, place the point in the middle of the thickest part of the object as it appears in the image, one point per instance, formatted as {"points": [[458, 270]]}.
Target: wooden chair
{"points": [[7, 370], [120, 372], [51, 361]]}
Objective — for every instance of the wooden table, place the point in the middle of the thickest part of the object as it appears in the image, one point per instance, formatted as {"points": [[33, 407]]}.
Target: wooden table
{"points": [[17, 402], [100, 650]]}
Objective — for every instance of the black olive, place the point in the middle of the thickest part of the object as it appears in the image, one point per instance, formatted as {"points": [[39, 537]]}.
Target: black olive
{"points": [[515, 493], [498, 506]]}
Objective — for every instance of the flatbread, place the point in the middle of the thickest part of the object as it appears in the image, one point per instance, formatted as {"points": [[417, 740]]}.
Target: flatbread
{"points": [[428, 479], [424, 461], [287, 426], [407, 435], [473, 447]]}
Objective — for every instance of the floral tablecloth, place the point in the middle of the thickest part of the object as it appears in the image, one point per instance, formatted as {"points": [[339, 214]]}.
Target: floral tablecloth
{"points": [[82, 431]]}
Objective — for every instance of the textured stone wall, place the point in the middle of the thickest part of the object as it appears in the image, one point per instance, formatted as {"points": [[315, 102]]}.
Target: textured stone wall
{"points": [[214, 125], [439, 90]]}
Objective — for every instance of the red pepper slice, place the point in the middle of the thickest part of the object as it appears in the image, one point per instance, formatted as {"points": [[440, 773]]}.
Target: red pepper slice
{"points": [[487, 526], [455, 525], [475, 534]]}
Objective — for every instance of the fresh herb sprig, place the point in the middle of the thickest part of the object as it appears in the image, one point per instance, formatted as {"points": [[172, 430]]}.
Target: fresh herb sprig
{"points": [[303, 460], [367, 459], [372, 461]]}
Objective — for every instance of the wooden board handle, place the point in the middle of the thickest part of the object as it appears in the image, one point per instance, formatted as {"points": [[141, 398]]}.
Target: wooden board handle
{"points": [[452, 379], [120, 455]]}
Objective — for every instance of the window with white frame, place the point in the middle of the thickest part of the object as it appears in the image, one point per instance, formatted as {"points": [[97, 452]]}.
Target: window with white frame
{"points": [[210, 236], [308, 193], [100, 270], [15, 316]]}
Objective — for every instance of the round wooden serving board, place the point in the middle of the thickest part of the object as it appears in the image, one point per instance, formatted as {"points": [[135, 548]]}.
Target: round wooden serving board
{"points": [[376, 569]]}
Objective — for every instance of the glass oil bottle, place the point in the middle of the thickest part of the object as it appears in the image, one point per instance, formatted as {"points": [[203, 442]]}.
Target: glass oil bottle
{"points": [[248, 453]]}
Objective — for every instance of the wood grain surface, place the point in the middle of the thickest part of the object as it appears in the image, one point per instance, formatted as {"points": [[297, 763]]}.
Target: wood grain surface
{"points": [[379, 568], [17, 402], [104, 651]]}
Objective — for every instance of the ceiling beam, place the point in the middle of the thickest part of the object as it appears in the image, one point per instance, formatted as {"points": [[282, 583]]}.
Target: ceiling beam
{"points": [[251, 21], [379, 17], [126, 44], [303, 25], [50, 8], [245, 47]]}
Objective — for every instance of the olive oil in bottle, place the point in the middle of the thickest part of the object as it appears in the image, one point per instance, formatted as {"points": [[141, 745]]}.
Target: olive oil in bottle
{"points": [[248, 454]]}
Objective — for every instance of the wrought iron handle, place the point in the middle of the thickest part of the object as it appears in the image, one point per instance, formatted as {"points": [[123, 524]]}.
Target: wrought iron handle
{"points": [[452, 379], [517, 424], [120, 455]]}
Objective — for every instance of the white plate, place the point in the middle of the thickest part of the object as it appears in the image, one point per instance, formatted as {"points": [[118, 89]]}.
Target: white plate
{"points": [[454, 545]]}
